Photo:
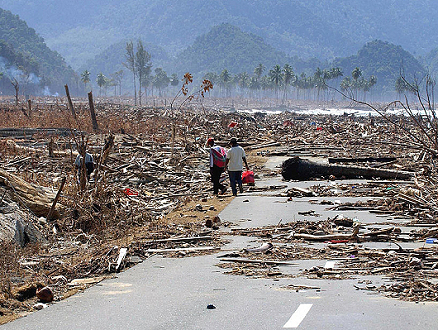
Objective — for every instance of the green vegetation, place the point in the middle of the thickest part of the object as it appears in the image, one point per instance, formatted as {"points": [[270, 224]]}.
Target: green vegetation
{"points": [[385, 62], [226, 46], [235, 60], [25, 57]]}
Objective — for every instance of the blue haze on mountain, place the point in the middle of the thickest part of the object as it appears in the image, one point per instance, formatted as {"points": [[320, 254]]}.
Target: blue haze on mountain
{"points": [[325, 29]]}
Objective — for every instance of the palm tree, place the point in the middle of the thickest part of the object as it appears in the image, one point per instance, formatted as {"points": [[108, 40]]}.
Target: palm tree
{"points": [[318, 79], [161, 80], [243, 80], [101, 81], [258, 71], [276, 76], [85, 77], [118, 77], [356, 74], [225, 79], [254, 84], [288, 75]]}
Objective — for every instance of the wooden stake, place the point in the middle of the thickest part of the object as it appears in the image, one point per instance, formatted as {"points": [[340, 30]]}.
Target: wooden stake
{"points": [[92, 113], [70, 103], [52, 209]]}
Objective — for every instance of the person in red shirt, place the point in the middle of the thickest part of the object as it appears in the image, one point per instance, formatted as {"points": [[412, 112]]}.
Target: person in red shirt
{"points": [[217, 165]]}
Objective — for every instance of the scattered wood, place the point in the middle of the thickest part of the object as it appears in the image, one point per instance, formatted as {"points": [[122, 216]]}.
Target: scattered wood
{"points": [[252, 261], [189, 249]]}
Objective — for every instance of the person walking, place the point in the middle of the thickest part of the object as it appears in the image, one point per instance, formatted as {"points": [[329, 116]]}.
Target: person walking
{"points": [[234, 163], [89, 165], [217, 165]]}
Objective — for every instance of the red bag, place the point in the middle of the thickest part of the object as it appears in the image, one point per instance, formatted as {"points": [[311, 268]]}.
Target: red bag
{"points": [[248, 177]]}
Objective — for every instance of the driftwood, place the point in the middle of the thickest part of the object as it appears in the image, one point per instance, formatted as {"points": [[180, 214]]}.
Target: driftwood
{"points": [[329, 237], [253, 261], [300, 169], [265, 247], [36, 198]]}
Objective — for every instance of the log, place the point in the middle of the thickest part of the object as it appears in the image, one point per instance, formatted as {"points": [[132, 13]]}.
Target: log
{"points": [[38, 199], [329, 237], [385, 231], [362, 160], [300, 169]]}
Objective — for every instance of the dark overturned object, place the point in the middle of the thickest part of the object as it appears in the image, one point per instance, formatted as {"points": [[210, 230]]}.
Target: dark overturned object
{"points": [[362, 160], [300, 169]]}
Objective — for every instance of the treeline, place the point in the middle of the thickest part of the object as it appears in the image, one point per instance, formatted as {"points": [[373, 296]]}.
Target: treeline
{"points": [[283, 83], [280, 82], [137, 62]]}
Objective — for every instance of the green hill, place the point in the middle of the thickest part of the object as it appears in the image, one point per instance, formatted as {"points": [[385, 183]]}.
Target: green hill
{"points": [[383, 60], [325, 29], [228, 47], [26, 57], [81, 29]]}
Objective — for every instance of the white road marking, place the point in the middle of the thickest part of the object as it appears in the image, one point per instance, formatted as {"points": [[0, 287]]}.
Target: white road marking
{"points": [[330, 264], [298, 316]]}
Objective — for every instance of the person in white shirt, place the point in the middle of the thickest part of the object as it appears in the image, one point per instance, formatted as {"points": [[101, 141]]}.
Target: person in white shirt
{"points": [[236, 157]]}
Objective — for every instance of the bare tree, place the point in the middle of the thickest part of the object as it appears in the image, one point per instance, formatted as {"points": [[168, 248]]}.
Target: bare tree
{"points": [[16, 85], [130, 64], [142, 65]]}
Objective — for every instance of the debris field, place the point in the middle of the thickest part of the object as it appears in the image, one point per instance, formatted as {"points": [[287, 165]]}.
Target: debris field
{"points": [[150, 193]]}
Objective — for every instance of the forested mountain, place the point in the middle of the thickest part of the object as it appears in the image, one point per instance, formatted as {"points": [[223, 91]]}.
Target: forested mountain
{"points": [[25, 57], [306, 28], [227, 47], [208, 36], [383, 60]]}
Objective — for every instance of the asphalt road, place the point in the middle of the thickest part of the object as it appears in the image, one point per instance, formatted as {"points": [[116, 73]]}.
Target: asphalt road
{"points": [[164, 293]]}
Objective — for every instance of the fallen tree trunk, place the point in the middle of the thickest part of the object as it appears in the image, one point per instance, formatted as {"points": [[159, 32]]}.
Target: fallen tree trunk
{"points": [[362, 160], [37, 199], [300, 169]]}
